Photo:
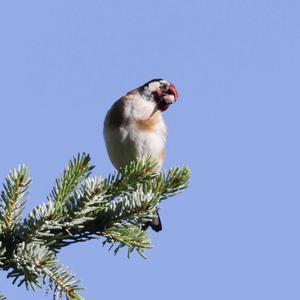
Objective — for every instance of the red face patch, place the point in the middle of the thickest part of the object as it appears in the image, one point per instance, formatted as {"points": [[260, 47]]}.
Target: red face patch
{"points": [[161, 99], [174, 91]]}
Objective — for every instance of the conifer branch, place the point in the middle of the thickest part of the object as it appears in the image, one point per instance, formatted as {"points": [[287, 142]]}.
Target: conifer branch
{"points": [[46, 217], [171, 183], [28, 264], [127, 179], [34, 262], [78, 169], [38, 225], [127, 235], [13, 199], [79, 209], [62, 282]]}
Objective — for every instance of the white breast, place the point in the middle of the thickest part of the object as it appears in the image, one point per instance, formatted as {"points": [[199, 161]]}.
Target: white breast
{"points": [[135, 138]]}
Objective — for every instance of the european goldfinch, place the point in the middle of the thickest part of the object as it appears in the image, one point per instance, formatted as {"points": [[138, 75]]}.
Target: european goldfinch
{"points": [[134, 127]]}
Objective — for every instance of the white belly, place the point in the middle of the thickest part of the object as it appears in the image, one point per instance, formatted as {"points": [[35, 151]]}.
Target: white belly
{"points": [[126, 143]]}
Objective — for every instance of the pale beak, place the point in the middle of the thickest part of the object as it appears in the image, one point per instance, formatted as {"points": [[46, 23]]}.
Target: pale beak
{"points": [[170, 99]]}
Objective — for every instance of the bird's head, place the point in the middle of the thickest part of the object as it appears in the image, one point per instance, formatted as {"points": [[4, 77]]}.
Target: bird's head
{"points": [[161, 91]]}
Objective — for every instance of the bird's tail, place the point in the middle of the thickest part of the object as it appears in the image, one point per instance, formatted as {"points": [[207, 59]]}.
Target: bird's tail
{"points": [[154, 223]]}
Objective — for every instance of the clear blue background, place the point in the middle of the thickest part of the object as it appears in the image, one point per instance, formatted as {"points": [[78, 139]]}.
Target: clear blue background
{"points": [[234, 234]]}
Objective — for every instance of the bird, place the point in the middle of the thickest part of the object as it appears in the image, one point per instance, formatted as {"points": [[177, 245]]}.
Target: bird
{"points": [[134, 128]]}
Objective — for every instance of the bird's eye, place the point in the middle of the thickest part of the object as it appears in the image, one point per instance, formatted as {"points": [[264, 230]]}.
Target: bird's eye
{"points": [[164, 87]]}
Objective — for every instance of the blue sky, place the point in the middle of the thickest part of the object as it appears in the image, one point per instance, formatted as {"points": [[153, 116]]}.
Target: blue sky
{"points": [[234, 234]]}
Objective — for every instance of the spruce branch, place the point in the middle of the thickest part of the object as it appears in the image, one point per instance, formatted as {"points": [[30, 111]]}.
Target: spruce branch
{"points": [[169, 184], [46, 218], [131, 206], [34, 262], [127, 178], [79, 209], [78, 169], [85, 201], [28, 264], [62, 282], [92, 208], [127, 235], [13, 199], [39, 223], [135, 208]]}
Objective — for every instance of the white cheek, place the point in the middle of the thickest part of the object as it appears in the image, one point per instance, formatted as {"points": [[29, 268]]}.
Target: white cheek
{"points": [[169, 99], [153, 86]]}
